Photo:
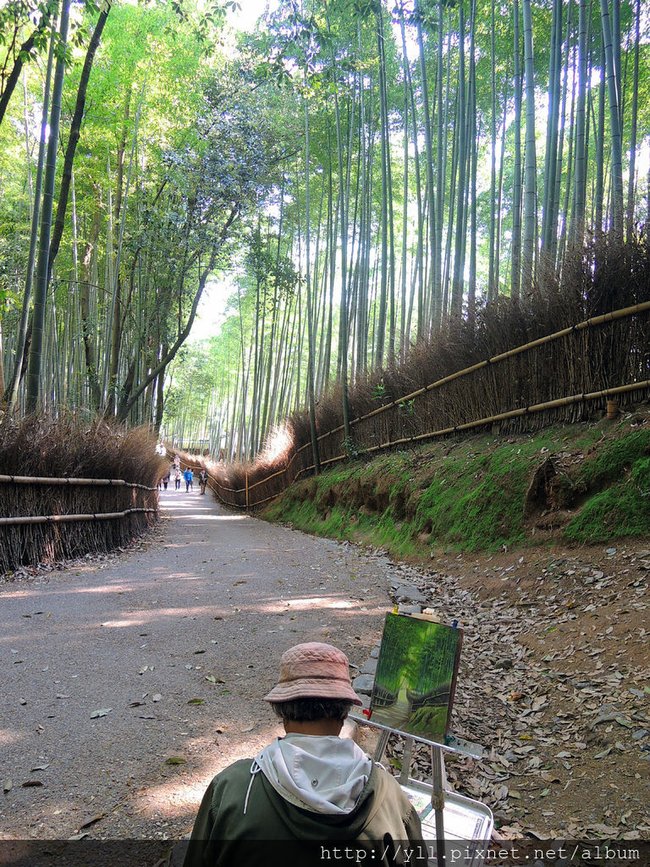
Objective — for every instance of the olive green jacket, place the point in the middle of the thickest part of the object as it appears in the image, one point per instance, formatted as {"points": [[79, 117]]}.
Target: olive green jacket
{"points": [[244, 822]]}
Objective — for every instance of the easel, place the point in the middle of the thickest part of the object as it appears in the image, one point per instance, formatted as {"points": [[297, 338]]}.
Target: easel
{"points": [[445, 815]]}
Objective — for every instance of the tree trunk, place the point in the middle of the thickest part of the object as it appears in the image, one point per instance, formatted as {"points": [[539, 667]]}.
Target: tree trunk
{"points": [[21, 342], [515, 281], [580, 174], [75, 132], [21, 57], [461, 191], [311, 341], [128, 397], [42, 270], [530, 167], [433, 300], [629, 221], [613, 90]]}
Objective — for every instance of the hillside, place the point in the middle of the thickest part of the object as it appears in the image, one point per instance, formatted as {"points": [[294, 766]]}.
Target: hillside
{"points": [[572, 484]]}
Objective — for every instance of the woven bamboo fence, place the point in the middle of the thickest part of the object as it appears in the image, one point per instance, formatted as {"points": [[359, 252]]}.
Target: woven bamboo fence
{"points": [[567, 376], [45, 519]]}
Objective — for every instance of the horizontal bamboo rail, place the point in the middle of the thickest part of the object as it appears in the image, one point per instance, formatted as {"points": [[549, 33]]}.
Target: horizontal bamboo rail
{"points": [[540, 407], [66, 519], [51, 480], [594, 321], [502, 416]]}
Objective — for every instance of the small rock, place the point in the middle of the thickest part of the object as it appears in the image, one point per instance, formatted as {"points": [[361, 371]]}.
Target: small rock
{"points": [[363, 683], [408, 593], [369, 667], [639, 734]]}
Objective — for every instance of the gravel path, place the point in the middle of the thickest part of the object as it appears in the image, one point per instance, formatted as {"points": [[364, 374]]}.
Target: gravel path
{"points": [[170, 648]]}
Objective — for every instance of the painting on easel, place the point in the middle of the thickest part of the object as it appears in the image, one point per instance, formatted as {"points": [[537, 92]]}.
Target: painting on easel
{"points": [[416, 676]]}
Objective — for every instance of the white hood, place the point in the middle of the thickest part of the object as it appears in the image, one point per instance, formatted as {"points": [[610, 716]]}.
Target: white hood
{"points": [[324, 774]]}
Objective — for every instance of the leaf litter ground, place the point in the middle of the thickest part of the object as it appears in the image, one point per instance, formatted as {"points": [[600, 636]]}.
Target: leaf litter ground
{"points": [[553, 683]]}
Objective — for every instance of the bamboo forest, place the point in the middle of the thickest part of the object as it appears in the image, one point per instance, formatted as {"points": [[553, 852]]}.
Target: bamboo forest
{"points": [[326, 188]]}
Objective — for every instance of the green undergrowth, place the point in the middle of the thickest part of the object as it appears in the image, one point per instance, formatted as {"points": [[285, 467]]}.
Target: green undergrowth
{"points": [[477, 494], [622, 509]]}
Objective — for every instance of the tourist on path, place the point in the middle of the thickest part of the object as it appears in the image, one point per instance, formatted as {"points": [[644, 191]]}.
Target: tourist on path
{"points": [[203, 480]]}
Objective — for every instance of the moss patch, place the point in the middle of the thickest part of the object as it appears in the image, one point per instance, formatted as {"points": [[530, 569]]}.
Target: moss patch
{"points": [[610, 462], [623, 509]]}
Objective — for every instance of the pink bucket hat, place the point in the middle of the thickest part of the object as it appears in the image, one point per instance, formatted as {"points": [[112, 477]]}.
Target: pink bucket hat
{"points": [[314, 670]]}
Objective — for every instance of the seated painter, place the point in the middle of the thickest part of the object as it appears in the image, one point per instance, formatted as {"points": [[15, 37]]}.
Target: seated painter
{"points": [[311, 794]]}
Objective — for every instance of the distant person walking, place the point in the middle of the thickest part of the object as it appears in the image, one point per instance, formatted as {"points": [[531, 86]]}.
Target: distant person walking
{"points": [[177, 480], [188, 475], [166, 478], [203, 480]]}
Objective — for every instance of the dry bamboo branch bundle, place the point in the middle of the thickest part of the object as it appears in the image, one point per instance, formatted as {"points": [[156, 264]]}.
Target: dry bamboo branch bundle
{"points": [[68, 489], [549, 338], [540, 407]]}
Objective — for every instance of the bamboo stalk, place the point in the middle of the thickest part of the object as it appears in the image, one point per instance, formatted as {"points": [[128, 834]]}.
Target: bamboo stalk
{"points": [[65, 519]]}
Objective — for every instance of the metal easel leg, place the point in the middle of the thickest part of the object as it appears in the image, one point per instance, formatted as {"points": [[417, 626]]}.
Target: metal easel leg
{"points": [[405, 773], [438, 802], [381, 746]]}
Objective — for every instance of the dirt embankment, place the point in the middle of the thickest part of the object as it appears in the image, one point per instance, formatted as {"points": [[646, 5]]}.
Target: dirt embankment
{"points": [[578, 484]]}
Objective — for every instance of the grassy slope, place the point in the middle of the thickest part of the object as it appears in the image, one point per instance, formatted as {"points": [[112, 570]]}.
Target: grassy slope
{"points": [[470, 495]]}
